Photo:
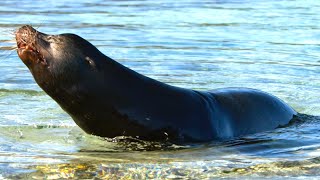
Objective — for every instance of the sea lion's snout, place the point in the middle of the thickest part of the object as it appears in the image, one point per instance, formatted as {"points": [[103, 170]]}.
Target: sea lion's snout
{"points": [[26, 28], [26, 38], [25, 35]]}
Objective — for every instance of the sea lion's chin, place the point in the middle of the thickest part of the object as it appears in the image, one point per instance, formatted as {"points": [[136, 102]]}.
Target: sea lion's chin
{"points": [[31, 56], [28, 57]]}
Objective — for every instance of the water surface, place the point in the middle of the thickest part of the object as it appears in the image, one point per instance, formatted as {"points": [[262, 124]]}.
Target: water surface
{"points": [[268, 45]]}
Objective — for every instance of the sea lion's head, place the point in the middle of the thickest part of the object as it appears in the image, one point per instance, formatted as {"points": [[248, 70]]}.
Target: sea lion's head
{"points": [[57, 62], [74, 73]]}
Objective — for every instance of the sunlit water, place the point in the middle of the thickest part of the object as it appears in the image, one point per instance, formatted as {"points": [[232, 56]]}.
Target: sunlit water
{"points": [[268, 45]]}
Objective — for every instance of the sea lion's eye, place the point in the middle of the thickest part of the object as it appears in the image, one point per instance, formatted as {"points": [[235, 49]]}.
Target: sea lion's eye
{"points": [[49, 37], [91, 63]]}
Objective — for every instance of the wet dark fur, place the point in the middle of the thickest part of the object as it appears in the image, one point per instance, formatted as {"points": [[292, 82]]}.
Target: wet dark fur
{"points": [[108, 99]]}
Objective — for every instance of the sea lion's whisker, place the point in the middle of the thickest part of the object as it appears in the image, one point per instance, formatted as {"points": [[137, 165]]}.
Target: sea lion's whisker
{"points": [[6, 54], [39, 25], [5, 49], [13, 48], [21, 40], [9, 41], [8, 31]]}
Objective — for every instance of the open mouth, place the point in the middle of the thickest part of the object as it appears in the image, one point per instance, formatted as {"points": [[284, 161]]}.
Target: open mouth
{"points": [[24, 46], [29, 50]]}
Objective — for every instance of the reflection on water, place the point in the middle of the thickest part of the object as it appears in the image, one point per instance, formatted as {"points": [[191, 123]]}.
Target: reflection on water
{"points": [[268, 45]]}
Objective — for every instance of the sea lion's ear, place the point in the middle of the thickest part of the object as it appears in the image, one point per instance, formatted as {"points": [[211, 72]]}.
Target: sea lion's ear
{"points": [[91, 63]]}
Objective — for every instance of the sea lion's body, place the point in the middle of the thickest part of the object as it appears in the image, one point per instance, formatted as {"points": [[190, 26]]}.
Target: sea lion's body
{"points": [[108, 99]]}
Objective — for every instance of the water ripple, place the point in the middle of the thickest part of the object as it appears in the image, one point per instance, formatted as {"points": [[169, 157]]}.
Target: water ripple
{"points": [[268, 45]]}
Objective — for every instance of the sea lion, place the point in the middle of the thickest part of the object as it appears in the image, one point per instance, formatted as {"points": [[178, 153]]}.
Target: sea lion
{"points": [[107, 99]]}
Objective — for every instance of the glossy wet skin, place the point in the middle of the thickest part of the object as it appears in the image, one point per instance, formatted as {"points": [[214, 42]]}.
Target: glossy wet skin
{"points": [[75, 74], [61, 64], [53, 55], [108, 99]]}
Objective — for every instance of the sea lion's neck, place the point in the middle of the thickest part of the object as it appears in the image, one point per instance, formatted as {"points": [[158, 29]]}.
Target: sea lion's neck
{"points": [[126, 83], [139, 97]]}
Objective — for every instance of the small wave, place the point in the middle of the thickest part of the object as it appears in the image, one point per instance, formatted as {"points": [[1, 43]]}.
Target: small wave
{"points": [[308, 167], [21, 91]]}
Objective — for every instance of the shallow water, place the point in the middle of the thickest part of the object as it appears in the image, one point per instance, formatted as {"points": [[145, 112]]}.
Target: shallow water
{"points": [[269, 45]]}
